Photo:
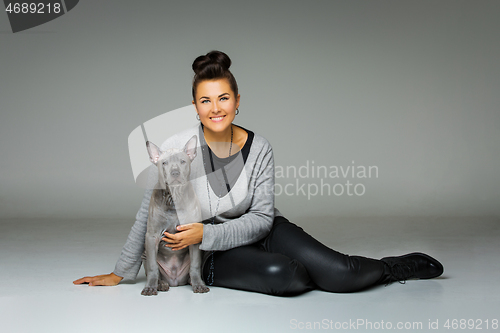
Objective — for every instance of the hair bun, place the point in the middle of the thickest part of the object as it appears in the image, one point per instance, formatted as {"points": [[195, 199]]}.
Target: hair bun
{"points": [[212, 66], [213, 60]]}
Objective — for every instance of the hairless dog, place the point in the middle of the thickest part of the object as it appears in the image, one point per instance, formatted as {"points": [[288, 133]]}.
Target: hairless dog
{"points": [[173, 202]]}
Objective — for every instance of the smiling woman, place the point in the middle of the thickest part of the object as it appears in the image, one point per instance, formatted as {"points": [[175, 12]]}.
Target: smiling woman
{"points": [[216, 98], [253, 246]]}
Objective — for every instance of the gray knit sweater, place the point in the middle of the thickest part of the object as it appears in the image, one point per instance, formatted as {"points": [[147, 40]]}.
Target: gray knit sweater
{"points": [[244, 215]]}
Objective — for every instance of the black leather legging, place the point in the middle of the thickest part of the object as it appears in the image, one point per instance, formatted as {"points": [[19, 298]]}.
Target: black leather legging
{"points": [[290, 262]]}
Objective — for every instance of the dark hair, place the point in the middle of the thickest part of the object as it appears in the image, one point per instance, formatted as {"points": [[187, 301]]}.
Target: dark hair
{"points": [[214, 65]]}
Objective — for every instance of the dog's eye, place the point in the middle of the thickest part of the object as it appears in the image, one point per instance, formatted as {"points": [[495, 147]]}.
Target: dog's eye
{"points": [[165, 162], [183, 161]]}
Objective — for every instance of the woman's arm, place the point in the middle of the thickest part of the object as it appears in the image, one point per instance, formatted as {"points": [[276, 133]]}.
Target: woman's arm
{"points": [[257, 221], [129, 262]]}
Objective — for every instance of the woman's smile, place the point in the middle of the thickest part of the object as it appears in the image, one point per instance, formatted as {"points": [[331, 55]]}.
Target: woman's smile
{"points": [[217, 119]]}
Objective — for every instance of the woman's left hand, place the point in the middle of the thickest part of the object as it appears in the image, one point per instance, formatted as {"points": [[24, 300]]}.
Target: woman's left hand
{"points": [[187, 234]]}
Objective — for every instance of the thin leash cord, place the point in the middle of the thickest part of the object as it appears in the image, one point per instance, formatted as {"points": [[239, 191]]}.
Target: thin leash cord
{"points": [[211, 273]]}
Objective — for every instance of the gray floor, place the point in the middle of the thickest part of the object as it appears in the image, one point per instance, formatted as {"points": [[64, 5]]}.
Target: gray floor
{"points": [[41, 258]]}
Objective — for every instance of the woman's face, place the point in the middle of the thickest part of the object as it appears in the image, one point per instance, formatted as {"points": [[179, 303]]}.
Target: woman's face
{"points": [[216, 104]]}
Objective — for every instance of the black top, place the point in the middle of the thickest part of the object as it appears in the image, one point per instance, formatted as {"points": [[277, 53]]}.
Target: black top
{"points": [[230, 166]]}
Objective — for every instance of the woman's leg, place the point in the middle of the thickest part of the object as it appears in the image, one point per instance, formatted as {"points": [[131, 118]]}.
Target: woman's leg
{"points": [[330, 270], [290, 262], [251, 268]]}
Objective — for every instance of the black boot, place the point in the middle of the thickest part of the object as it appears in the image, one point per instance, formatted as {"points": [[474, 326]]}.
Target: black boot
{"points": [[411, 266]]}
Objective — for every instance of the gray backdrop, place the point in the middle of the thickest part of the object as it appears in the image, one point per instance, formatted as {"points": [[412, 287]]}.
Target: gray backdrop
{"points": [[411, 87]]}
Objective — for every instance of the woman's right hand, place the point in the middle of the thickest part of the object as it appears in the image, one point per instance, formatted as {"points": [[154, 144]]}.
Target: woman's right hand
{"points": [[100, 280]]}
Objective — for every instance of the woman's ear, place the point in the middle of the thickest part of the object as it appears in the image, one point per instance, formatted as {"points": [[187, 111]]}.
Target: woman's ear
{"points": [[237, 101]]}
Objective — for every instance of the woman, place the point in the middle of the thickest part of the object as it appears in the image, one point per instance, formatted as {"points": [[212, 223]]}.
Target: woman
{"points": [[251, 245]]}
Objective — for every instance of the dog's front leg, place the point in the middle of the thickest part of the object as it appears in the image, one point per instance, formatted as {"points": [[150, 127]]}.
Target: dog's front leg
{"points": [[152, 271], [195, 270]]}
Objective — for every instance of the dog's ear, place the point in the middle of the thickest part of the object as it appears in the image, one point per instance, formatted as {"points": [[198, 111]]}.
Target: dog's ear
{"points": [[153, 151], [190, 147]]}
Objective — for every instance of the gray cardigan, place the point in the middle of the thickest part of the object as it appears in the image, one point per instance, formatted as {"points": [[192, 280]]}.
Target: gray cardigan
{"points": [[244, 216]]}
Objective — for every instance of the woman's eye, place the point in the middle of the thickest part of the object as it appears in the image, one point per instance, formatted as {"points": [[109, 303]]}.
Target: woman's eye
{"points": [[224, 99], [205, 101]]}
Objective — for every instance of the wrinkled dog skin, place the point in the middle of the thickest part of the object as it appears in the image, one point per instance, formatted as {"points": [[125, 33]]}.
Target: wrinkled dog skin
{"points": [[173, 202]]}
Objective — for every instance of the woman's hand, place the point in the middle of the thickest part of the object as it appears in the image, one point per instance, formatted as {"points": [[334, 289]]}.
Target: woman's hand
{"points": [[100, 280], [188, 234]]}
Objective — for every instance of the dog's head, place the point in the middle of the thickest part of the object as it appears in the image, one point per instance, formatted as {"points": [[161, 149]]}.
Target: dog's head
{"points": [[174, 165]]}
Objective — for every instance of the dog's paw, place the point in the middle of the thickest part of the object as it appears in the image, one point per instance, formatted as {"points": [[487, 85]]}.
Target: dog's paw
{"points": [[163, 286], [200, 288], [149, 291]]}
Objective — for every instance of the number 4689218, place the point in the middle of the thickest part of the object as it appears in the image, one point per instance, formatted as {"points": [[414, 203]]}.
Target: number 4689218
{"points": [[33, 8]]}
